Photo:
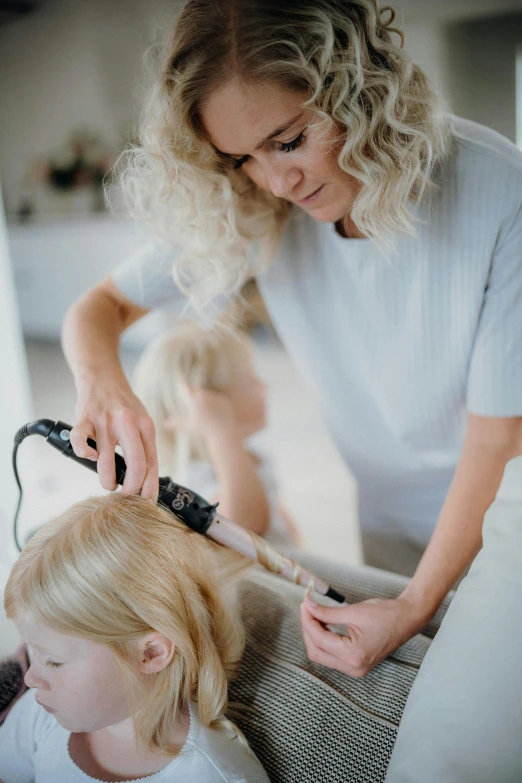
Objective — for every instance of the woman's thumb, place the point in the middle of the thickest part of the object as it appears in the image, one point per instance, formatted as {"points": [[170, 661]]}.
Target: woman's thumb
{"points": [[326, 614]]}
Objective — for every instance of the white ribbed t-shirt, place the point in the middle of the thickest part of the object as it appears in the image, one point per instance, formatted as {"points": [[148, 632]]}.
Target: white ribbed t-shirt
{"points": [[399, 348]]}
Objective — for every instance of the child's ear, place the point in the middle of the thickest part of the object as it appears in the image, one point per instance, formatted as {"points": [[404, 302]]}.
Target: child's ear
{"points": [[156, 652]]}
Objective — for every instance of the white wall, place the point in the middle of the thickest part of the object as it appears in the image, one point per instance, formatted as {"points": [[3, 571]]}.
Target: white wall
{"points": [[15, 410], [482, 59], [426, 44], [70, 65], [14, 384]]}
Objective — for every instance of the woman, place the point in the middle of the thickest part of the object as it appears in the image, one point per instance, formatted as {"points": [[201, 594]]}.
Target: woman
{"points": [[296, 142]]}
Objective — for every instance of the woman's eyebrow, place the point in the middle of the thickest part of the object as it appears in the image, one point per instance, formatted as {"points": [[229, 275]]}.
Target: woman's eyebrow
{"points": [[277, 132], [280, 130]]}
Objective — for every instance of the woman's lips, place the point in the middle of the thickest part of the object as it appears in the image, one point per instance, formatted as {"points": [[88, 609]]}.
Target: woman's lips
{"points": [[311, 197]]}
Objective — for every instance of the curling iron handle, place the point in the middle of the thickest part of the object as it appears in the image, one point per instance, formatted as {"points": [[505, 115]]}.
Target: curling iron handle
{"points": [[120, 465], [119, 462], [59, 437]]}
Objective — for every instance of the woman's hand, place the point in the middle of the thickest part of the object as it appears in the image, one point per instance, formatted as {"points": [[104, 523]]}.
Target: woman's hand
{"points": [[110, 413], [107, 410], [375, 628]]}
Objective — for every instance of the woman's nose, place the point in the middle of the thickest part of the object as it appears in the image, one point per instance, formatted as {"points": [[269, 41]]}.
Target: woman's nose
{"points": [[282, 179]]}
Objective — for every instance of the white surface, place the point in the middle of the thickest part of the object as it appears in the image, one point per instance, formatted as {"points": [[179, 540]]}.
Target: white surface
{"points": [[481, 56], [462, 722], [426, 44], [16, 407], [55, 261]]}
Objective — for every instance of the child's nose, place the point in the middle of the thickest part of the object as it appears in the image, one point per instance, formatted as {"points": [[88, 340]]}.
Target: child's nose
{"points": [[33, 680]]}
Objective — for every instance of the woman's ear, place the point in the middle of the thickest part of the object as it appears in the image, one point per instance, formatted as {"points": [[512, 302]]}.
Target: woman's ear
{"points": [[155, 652]]}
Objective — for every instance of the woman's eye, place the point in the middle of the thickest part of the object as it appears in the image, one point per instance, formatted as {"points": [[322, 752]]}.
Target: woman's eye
{"points": [[284, 146], [52, 664], [290, 146]]}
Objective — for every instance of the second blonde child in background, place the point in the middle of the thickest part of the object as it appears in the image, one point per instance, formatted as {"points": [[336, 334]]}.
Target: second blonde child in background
{"points": [[206, 401]]}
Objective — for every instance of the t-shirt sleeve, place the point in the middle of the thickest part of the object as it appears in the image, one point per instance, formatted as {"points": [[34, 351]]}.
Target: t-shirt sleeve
{"points": [[145, 278], [19, 737], [495, 373]]}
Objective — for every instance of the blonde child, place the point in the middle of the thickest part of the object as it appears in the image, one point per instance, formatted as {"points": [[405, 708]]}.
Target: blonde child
{"points": [[206, 401], [130, 621]]}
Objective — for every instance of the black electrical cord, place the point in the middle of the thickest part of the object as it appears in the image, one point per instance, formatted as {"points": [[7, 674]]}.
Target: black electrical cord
{"points": [[40, 427], [17, 512], [194, 510]]}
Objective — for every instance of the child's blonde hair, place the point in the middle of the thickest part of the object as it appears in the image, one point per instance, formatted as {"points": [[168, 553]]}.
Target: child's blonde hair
{"points": [[112, 569], [190, 356]]}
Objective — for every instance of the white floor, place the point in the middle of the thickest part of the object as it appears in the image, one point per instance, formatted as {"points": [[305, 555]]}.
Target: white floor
{"points": [[315, 486]]}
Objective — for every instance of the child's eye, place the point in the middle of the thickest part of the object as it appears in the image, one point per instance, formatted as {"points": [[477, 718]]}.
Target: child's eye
{"points": [[290, 146], [52, 664]]}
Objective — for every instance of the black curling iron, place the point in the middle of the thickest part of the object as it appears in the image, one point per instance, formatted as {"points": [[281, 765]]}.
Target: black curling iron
{"points": [[191, 508]]}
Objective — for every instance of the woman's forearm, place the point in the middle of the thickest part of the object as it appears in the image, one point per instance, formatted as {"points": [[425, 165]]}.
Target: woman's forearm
{"points": [[91, 334], [107, 410], [91, 337], [489, 445]]}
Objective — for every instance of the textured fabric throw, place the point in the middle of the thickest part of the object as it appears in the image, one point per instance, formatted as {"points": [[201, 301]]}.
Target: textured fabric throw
{"points": [[307, 723]]}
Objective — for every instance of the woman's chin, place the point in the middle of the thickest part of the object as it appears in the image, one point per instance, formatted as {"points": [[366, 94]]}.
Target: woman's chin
{"points": [[325, 214]]}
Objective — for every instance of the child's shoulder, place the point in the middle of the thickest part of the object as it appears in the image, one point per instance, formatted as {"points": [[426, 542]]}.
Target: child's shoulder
{"points": [[219, 755]]}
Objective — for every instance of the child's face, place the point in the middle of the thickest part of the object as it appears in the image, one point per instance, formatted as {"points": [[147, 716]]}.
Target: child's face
{"points": [[77, 680], [248, 396]]}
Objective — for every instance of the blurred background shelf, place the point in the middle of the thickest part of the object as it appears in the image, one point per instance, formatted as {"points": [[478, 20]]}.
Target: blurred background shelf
{"points": [[55, 259]]}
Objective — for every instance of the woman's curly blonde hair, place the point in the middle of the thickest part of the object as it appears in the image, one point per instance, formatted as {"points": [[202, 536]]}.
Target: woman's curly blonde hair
{"points": [[342, 56]]}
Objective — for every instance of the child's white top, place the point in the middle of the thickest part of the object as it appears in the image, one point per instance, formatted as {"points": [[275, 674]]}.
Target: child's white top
{"points": [[34, 748], [399, 349], [202, 479]]}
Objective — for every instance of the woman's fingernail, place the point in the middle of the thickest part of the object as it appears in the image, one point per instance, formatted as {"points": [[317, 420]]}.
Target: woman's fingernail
{"points": [[310, 600]]}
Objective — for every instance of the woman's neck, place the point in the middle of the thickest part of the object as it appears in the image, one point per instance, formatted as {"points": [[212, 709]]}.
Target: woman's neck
{"points": [[347, 229]]}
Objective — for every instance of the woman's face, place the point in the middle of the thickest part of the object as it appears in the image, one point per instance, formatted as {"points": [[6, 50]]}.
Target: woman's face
{"points": [[280, 146]]}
